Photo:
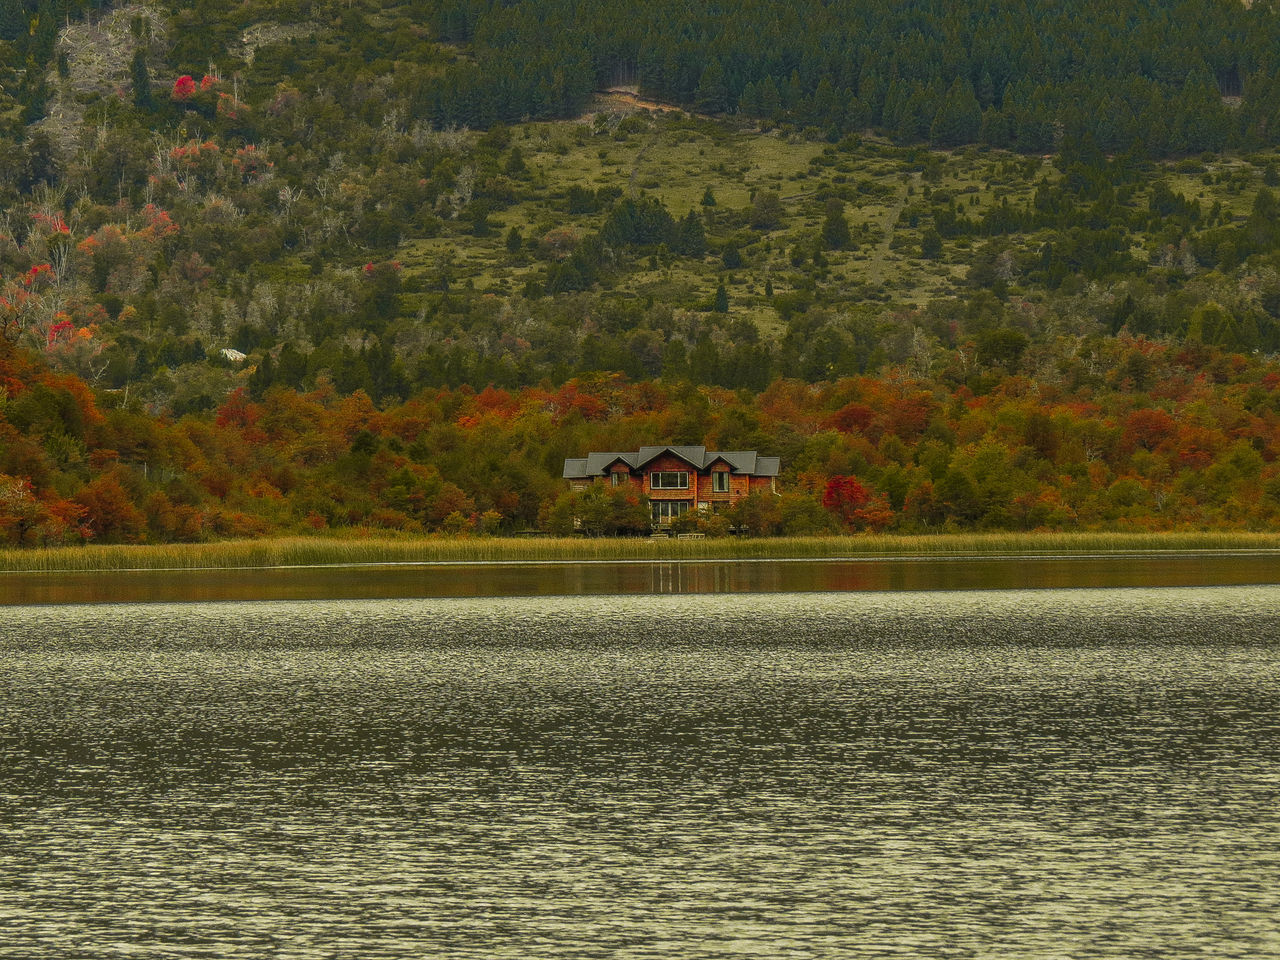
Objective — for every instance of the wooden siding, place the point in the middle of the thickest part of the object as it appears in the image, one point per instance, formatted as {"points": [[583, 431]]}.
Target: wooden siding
{"points": [[664, 463], [627, 478], [739, 486], [699, 494]]}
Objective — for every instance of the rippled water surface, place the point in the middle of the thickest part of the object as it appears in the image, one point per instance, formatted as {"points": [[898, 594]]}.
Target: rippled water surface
{"points": [[562, 578], [1023, 774]]}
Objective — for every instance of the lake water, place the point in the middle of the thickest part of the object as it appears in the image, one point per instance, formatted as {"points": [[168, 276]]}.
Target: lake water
{"points": [[1052, 773], [558, 578]]}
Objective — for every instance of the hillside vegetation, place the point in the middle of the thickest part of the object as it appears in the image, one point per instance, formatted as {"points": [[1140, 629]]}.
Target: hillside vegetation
{"points": [[366, 215]]}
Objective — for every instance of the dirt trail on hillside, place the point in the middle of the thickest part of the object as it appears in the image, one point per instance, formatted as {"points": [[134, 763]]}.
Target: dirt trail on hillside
{"points": [[631, 98], [632, 184]]}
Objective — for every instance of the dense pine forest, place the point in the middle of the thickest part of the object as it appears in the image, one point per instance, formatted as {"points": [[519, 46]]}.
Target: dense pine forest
{"points": [[288, 267]]}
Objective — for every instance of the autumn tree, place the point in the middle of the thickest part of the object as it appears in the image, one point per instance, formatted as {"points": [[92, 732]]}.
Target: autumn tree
{"points": [[856, 507]]}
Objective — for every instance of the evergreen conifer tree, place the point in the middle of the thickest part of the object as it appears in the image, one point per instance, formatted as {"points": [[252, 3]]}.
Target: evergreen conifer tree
{"points": [[835, 228], [141, 80], [13, 19], [712, 95], [731, 258], [691, 237]]}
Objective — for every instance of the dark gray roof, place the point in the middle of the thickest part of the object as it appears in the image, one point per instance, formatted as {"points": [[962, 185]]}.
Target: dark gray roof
{"points": [[600, 462], [768, 466], [741, 461], [695, 455]]}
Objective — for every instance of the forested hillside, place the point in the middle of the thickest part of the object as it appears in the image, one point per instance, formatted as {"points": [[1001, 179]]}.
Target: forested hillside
{"points": [[235, 242], [1137, 75]]}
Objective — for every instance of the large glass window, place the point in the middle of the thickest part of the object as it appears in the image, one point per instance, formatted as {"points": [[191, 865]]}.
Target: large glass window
{"points": [[720, 481], [670, 480], [664, 511]]}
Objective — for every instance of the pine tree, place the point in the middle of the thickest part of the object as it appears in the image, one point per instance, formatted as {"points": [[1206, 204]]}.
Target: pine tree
{"points": [[13, 20], [871, 91], [712, 95], [766, 210], [986, 90], [895, 104], [731, 258], [913, 122], [770, 99], [823, 108], [835, 228], [958, 119], [793, 93], [691, 237], [141, 81], [996, 128], [931, 244]]}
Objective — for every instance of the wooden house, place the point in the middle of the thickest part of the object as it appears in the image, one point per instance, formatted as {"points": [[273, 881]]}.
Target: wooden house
{"points": [[677, 479]]}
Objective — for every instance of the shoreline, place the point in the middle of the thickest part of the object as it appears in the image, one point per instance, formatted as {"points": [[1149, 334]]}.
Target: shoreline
{"points": [[334, 552]]}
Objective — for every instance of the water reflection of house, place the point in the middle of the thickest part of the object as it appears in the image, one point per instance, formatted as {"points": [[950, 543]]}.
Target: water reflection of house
{"points": [[677, 479]]}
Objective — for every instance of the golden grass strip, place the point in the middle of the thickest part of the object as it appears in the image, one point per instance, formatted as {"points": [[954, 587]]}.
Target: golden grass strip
{"points": [[312, 551]]}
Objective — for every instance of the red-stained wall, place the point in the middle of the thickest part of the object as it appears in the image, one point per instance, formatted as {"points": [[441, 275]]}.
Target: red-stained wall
{"points": [[627, 478], [738, 486], [662, 464]]}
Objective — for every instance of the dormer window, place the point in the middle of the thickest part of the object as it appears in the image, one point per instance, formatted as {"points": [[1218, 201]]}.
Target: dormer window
{"points": [[670, 480], [616, 477], [720, 481]]}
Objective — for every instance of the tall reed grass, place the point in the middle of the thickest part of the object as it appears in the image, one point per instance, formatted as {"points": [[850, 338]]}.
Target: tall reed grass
{"points": [[312, 551]]}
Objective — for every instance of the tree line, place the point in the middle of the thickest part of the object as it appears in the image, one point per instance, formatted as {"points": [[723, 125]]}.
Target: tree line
{"points": [[1138, 76], [1139, 435]]}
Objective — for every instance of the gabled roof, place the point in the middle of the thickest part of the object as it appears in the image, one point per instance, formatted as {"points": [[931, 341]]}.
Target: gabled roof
{"points": [[744, 462], [600, 462], [694, 456]]}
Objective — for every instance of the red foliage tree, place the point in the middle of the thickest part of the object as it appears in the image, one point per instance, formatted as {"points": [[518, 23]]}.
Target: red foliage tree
{"points": [[856, 507], [183, 88], [845, 496], [851, 417], [1148, 429], [109, 511]]}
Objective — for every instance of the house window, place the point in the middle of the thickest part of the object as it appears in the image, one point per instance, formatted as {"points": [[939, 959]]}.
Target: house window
{"points": [[720, 481], [664, 511], [670, 480], [616, 478]]}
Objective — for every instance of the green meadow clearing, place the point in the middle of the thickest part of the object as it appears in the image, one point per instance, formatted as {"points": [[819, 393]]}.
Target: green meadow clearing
{"points": [[888, 192]]}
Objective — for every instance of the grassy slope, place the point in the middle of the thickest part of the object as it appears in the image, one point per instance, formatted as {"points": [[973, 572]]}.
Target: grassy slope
{"points": [[676, 157], [302, 551], [676, 160]]}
